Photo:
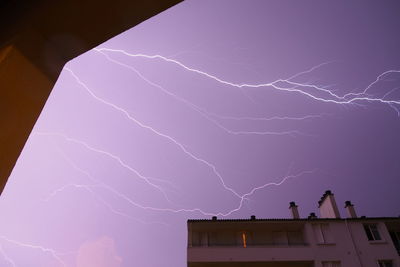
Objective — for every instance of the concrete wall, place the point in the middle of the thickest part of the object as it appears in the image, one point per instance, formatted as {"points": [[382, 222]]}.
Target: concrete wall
{"points": [[36, 39], [346, 242]]}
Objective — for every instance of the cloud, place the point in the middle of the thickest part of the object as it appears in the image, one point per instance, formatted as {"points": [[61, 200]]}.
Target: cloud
{"points": [[98, 253]]}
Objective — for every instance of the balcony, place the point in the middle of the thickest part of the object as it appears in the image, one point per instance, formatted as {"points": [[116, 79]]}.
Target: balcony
{"points": [[250, 254], [245, 239], [253, 264]]}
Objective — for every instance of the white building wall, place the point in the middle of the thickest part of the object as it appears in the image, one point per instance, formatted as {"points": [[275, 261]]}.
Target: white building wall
{"points": [[372, 251], [344, 241]]}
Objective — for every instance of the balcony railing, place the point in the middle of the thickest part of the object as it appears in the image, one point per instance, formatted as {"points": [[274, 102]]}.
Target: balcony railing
{"points": [[250, 245]]}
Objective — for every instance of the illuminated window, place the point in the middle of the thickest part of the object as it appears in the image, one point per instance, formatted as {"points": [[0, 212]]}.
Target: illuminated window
{"points": [[244, 239]]}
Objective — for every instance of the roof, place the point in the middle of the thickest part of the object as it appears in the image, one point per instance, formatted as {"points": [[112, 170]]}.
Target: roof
{"points": [[362, 218]]}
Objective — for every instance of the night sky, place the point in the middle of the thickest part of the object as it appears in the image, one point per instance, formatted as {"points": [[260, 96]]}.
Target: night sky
{"points": [[228, 108]]}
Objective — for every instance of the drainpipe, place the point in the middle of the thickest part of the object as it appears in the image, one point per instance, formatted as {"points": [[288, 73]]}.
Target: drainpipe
{"points": [[354, 244]]}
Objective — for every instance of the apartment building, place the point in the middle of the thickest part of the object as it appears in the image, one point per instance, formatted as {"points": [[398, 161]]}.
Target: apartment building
{"points": [[325, 241]]}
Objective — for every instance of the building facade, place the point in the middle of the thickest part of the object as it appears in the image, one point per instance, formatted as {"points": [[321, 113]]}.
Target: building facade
{"points": [[327, 241]]}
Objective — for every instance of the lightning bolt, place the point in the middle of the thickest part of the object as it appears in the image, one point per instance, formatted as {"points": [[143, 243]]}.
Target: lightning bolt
{"points": [[374, 82], [290, 86], [205, 213], [56, 255], [5, 256], [170, 210], [88, 188], [116, 158], [332, 97], [207, 115], [273, 118], [211, 166], [242, 198], [310, 70], [96, 184]]}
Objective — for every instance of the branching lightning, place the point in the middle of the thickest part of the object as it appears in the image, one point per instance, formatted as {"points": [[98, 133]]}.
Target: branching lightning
{"points": [[231, 125], [95, 184], [116, 158], [54, 254], [288, 85], [209, 115], [285, 85], [89, 188], [156, 132], [277, 84], [170, 210], [6, 257]]}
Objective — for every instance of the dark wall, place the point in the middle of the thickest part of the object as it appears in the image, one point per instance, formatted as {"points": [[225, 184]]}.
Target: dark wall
{"points": [[36, 39]]}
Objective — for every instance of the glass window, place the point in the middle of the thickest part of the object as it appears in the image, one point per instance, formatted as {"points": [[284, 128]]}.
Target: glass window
{"points": [[262, 238], [196, 239], [372, 232], [280, 238], [331, 264], [222, 239], [385, 263], [396, 240], [295, 238]]}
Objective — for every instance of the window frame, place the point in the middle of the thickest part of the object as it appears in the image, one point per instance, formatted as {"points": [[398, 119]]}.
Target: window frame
{"points": [[395, 237], [372, 232], [331, 263], [385, 263]]}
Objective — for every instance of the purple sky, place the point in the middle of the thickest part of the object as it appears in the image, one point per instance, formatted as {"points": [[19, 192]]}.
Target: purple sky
{"points": [[128, 148]]}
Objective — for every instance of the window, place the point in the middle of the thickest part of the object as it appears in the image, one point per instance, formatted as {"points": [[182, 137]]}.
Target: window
{"points": [[323, 233], [331, 264], [385, 263], [262, 239], [280, 238], [222, 239], [295, 238], [396, 240], [196, 239], [244, 239], [199, 239], [372, 232]]}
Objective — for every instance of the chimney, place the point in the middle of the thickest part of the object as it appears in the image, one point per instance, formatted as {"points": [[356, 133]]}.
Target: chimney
{"points": [[351, 212], [252, 217], [312, 216], [214, 218], [327, 206], [294, 210]]}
